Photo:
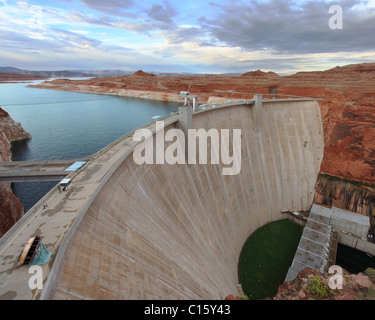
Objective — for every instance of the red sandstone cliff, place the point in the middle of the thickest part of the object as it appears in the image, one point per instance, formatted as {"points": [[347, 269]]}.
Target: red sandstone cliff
{"points": [[11, 209]]}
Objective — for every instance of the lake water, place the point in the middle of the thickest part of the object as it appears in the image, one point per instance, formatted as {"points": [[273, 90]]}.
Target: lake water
{"points": [[68, 125]]}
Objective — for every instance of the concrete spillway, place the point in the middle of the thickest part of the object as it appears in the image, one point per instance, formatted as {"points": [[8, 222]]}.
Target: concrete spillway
{"points": [[176, 231]]}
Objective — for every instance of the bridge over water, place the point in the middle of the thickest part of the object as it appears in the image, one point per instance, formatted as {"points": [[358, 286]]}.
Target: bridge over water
{"points": [[128, 231], [45, 170]]}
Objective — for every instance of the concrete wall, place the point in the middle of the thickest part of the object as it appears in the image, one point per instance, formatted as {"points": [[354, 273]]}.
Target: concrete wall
{"points": [[353, 223], [352, 229], [176, 231], [356, 243]]}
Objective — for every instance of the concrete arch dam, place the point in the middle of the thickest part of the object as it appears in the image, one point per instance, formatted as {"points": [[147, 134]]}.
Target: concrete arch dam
{"points": [[157, 231]]}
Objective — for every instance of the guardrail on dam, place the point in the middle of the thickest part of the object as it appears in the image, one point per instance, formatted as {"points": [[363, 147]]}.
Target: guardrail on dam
{"points": [[152, 231]]}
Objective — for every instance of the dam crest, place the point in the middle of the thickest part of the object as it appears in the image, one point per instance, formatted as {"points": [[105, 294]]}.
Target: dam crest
{"points": [[129, 231]]}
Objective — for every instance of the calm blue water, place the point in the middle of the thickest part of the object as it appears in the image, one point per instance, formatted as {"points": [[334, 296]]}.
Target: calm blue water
{"points": [[67, 125]]}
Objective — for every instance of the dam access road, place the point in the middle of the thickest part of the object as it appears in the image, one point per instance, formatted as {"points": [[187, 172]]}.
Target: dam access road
{"points": [[128, 231]]}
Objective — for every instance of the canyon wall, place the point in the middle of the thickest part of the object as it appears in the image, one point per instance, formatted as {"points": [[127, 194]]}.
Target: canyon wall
{"points": [[176, 231], [11, 209]]}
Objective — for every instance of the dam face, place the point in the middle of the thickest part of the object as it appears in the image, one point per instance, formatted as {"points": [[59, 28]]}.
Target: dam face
{"points": [[176, 231]]}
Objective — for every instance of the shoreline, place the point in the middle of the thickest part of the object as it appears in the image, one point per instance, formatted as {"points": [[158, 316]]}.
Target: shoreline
{"points": [[141, 94]]}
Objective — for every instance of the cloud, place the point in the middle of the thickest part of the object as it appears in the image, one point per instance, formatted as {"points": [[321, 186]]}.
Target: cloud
{"points": [[221, 36], [143, 27], [162, 13], [126, 16], [183, 34], [83, 18], [112, 7], [70, 38], [49, 40], [288, 27]]}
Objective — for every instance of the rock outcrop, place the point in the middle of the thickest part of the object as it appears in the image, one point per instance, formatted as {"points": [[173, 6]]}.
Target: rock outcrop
{"points": [[141, 74], [314, 285], [259, 73], [349, 195], [12, 129], [11, 209]]}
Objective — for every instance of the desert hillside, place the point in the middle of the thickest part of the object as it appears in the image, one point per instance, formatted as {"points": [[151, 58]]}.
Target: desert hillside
{"points": [[347, 107]]}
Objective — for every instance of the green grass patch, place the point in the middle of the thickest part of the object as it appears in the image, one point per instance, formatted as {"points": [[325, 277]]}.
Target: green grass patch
{"points": [[266, 257]]}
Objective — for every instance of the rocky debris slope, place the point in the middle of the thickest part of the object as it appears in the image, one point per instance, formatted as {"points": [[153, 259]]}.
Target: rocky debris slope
{"points": [[347, 108], [11, 209], [313, 285]]}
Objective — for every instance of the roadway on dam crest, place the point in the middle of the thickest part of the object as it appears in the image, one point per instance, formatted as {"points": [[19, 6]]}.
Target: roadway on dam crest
{"points": [[47, 170]]}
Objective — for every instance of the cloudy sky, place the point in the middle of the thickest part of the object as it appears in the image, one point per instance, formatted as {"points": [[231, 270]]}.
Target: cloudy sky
{"points": [[204, 36]]}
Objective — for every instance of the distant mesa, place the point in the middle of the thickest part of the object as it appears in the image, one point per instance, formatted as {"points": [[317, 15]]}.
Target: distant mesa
{"points": [[6, 77], [259, 73], [352, 69], [44, 74], [357, 68], [141, 74]]}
